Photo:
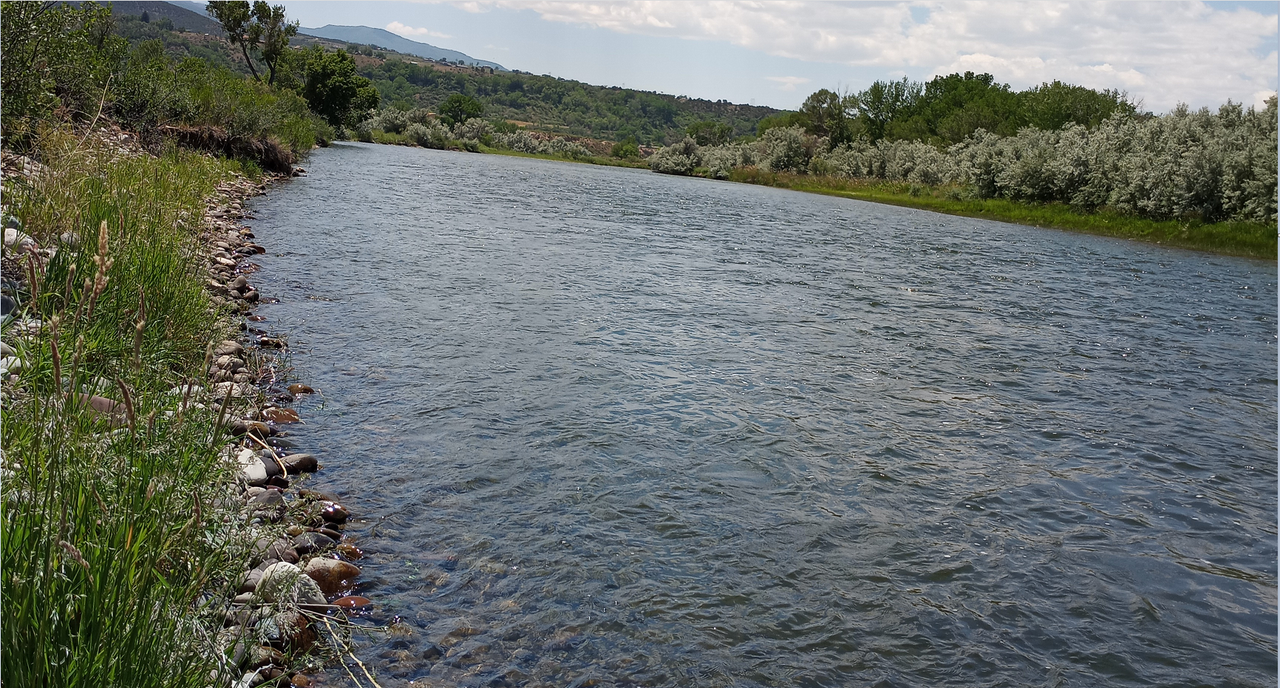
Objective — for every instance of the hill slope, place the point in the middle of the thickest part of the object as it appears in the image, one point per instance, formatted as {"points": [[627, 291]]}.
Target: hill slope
{"points": [[385, 39], [182, 17]]}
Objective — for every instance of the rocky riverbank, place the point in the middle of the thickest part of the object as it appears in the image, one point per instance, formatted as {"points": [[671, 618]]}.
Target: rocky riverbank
{"points": [[301, 570]]}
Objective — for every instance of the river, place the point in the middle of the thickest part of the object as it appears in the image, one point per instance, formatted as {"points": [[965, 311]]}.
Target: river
{"points": [[606, 427]]}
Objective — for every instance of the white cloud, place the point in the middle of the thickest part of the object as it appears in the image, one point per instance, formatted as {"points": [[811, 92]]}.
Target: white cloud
{"points": [[1162, 52], [410, 32], [789, 83]]}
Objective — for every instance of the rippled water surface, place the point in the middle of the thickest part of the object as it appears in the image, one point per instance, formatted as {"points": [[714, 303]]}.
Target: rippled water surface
{"points": [[608, 427]]}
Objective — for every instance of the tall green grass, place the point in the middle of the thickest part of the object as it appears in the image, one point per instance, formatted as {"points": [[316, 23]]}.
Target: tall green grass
{"points": [[117, 547]]}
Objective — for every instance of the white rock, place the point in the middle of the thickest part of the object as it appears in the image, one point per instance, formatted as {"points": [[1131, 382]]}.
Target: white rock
{"points": [[6, 350], [10, 364], [284, 582]]}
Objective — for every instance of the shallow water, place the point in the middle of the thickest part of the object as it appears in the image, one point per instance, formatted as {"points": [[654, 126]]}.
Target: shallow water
{"points": [[606, 425]]}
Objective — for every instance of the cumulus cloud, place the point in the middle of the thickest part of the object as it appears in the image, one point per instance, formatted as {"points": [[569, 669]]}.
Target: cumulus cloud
{"points": [[1162, 53], [411, 32]]}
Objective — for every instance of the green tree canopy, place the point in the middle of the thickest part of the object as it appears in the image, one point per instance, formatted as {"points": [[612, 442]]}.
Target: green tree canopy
{"points": [[333, 90], [460, 108], [258, 29]]}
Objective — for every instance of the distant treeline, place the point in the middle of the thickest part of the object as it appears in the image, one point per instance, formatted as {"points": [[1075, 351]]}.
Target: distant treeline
{"points": [[948, 109]]}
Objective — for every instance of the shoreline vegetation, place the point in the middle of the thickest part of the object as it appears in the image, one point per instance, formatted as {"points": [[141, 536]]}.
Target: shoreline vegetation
{"points": [[153, 532]]}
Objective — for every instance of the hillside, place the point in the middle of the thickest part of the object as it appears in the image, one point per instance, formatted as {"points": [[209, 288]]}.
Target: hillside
{"points": [[380, 38], [542, 103], [182, 18]]}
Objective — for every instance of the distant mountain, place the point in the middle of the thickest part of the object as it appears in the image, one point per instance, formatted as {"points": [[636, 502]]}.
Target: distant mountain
{"points": [[181, 16], [381, 38], [197, 7]]}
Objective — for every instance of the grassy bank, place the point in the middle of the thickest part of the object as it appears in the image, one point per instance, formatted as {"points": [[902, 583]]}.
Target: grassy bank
{"points": [[1230, 238], [114, 540]]}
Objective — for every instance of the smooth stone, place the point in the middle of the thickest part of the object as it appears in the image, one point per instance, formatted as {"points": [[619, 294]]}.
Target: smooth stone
{"points": [[298, 388], [228, 348], [6, 350], [251, 296], [290, 629], [352, 602], [350, 551], [250, 582], [300, 463], [240, 426], [239, 283], [334, 513], [10, 364], [221, 389], [7, 305], [284, 582], [308, 543], [268, 501], [259, 656], [252, 468], [300, 681], [332, 575], [69, 239], [281, 415]]}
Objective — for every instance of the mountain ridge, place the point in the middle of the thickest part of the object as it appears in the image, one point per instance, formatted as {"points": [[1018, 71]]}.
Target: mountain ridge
{"points": [[367, 35]]}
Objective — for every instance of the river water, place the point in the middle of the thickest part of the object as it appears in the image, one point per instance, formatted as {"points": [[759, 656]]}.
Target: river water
{"points": [[607, 427]]}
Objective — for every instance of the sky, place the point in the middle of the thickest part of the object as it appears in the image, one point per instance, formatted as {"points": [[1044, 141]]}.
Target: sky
{"points": [[777, 52]]}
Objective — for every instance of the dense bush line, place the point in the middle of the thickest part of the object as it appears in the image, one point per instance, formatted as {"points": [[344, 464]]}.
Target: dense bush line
{"points": [[1185, 164]]}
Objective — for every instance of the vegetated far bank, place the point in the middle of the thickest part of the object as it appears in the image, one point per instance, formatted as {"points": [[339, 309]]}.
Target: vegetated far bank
{"points": [[1245, 239], [1200, 179]]}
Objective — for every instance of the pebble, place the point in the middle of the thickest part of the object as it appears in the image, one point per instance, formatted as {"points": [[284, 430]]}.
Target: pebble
{"points": [[258, 429], [332, 575], [298, 388], [334, 513]]}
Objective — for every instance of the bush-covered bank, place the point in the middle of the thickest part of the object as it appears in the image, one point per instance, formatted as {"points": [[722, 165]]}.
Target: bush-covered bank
{"points": [[62, 63], [1213, 174], [1252, 240]]}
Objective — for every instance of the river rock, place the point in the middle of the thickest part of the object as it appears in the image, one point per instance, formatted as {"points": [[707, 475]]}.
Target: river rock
{"points": [[239, 283], [280, 416], [300, 463], [284, 582], [334, 513], [332, 575], [290, 629], [267, 504], [310, 542], [249, 582], [6, 350], [259, 656], [10, 364], [352, 602], [251, 296], [252, 469], [236, 390], [241, 426]]}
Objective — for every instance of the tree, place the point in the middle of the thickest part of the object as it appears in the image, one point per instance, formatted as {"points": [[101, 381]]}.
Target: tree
{"points": [[146, 18], [333, 90], [827, 113], [626, 148], [275, 33], [260, 28], [710, 133], [236, 18], [459, 108]]}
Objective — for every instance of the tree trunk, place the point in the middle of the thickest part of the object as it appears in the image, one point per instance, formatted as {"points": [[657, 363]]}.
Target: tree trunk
{"points": [[245, 49]]}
